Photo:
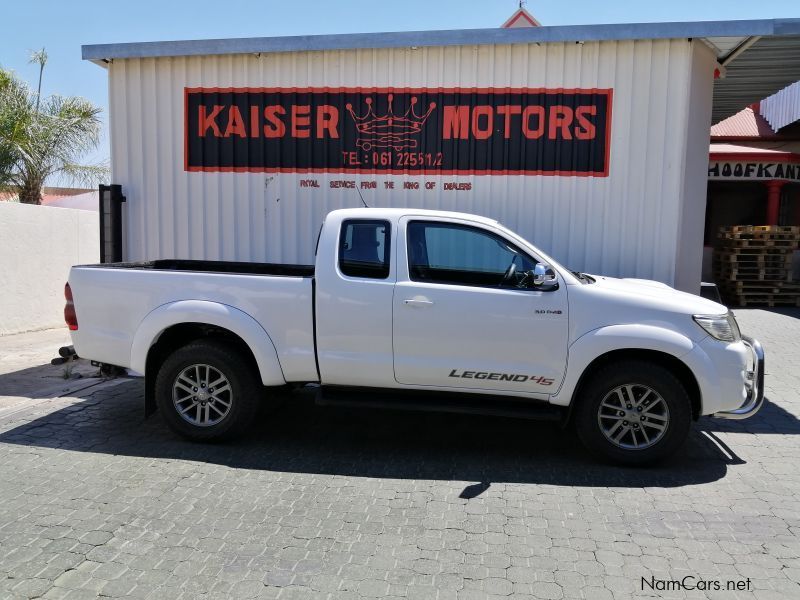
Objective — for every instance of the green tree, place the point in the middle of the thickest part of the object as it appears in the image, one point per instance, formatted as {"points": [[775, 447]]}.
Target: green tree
{"points": [[39, 57], [12, 100], [42, 138]]}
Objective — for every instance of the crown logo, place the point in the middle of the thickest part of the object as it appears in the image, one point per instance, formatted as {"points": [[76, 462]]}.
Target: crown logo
{"points": [[391, 130]]}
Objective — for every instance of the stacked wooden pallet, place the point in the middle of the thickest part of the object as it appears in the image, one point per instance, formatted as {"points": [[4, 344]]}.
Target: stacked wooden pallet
{"points": [[753, 265]]}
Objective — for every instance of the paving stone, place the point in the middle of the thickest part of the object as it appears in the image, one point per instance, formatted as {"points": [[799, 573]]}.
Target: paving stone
{"points": [[373, 588], [31, 588], [118, 587]]}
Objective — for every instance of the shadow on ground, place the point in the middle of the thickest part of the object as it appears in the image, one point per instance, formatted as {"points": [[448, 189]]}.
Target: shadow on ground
{"points": [[29, 382], [770, 419], [301, 437]]}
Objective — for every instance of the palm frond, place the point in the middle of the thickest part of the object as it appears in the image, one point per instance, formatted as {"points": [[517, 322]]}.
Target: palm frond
{"points": [[38, 57], [86, 175], [45, 137]]}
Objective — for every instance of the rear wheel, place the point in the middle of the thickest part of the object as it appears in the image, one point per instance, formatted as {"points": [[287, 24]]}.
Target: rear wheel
{"points": [[207, 390], [633, 413]]}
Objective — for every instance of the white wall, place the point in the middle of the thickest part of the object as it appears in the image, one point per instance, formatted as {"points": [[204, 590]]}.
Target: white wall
{"points": [[633, 223], [39, 244]]}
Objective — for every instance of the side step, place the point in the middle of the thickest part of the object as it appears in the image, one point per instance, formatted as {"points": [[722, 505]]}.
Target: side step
{"points": [[475, 404]]}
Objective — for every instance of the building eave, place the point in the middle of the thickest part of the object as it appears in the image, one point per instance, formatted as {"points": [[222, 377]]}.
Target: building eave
{"points": [[708, 30]]}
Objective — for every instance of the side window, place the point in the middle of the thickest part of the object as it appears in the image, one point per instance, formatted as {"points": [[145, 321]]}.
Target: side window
{"points": [[463, 255], [364, 248]]}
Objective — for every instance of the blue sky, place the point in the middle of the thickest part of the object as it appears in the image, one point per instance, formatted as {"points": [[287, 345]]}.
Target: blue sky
{"points": [[62, 26]]}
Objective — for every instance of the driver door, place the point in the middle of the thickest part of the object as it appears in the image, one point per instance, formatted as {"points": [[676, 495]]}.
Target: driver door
{"points": [[461, 321]]}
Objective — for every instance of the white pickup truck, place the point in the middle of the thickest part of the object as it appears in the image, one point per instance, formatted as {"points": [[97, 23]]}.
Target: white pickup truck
{"points": [[427, 310]]}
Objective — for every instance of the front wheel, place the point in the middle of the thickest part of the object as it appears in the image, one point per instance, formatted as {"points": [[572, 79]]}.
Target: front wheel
{"points": [[633, 413], [207, 391]]}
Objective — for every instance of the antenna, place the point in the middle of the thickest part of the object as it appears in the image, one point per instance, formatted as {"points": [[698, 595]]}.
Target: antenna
{"points": [[362, 198]]}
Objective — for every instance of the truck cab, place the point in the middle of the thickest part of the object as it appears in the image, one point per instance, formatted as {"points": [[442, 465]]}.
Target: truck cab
{"points": [[436, 300]]}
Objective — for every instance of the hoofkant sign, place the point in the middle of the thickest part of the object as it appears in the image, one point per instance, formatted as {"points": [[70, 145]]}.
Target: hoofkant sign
{"points": [[754, 171], [481, 131]]}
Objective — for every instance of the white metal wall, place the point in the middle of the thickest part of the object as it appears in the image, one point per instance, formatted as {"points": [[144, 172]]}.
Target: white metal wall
{"points": [[627, 224], [782, 108]]}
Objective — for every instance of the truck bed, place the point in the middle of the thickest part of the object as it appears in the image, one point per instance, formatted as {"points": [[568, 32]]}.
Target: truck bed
{"points": [[114, 300], [214, 266]]}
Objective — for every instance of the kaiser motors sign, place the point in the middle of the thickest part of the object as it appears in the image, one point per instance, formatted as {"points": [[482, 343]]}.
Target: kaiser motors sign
{"points": [[480, 131]]}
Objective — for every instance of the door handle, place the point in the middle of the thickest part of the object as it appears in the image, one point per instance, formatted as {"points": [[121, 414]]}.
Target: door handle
{"points": [[417, 302]]}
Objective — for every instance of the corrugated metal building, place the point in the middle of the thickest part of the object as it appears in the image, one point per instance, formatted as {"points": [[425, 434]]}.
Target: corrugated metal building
{"points": [[591, 141]]}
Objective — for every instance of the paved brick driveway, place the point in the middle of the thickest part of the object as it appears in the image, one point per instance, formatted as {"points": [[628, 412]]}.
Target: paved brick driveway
{"points": [[323, 502]]}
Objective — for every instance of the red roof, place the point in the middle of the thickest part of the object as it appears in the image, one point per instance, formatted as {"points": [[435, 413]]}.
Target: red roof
{"points": [[49, 194], [521, 18], [747, 123]]}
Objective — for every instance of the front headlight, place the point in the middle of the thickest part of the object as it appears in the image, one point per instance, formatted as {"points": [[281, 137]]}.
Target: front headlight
{"points": [[721, 327]]}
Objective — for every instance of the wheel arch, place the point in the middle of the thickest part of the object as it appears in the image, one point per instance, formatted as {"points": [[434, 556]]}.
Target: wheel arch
{"points": [[674, 364], [171, 326]]}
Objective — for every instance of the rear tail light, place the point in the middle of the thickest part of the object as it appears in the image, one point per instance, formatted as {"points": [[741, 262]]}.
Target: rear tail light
{"points": [[69, 310]]}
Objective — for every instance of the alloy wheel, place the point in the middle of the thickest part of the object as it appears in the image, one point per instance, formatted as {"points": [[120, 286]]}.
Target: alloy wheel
{"points": [[202, 395], [633, 416]]}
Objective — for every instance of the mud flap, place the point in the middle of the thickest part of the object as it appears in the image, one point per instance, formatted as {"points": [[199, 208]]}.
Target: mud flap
{"points": [[149, 395]]}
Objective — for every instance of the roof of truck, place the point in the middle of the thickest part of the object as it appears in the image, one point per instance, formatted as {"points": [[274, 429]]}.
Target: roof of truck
{"points": [[397, 213]]}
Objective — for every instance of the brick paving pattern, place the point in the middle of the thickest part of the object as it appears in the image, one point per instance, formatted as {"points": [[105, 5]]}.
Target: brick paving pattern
{"points": [[323, 502]]}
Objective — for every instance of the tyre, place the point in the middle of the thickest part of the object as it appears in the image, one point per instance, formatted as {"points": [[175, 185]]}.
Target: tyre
{"points": [[207, 391], [633, 413]]}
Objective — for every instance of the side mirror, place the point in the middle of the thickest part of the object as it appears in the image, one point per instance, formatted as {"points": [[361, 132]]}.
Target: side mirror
{"points": [[544, 278]]}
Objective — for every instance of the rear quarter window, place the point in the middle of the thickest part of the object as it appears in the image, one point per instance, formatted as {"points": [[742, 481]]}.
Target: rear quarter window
{"points": [[364, 248]]}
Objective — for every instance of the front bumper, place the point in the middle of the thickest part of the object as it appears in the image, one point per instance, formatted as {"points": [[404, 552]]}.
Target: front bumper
{"points": [[754, 383]]}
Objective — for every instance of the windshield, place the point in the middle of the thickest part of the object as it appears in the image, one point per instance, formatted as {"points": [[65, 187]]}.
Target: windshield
{"points": [[539, 255]]}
